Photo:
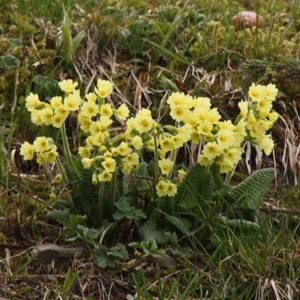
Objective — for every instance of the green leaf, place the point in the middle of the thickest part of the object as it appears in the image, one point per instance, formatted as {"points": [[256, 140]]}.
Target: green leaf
{"points": [[189, 191], [14, 42], [102, 259], [141, 184], [68, 43], [119, 251], [128, 212], [169, 54], [76, 41], [59, 216], [75, 220], [149, 229], [238, 224], [88, 232], [183, 225], [69, 280], [249, 193], [87, 190], [9, 61]]}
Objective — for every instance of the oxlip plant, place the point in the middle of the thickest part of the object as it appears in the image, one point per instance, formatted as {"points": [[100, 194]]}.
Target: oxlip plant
{"points": [[112, 181]]}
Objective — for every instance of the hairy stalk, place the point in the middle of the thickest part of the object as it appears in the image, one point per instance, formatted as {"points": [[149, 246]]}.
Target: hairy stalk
{"points": [[67, 151], [101, 195]]}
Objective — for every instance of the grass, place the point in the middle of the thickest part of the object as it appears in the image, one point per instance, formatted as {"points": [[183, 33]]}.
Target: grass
{"points": [[190, 47]]}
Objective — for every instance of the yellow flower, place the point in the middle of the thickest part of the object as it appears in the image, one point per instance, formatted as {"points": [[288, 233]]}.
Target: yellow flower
{"points": [[115, 151], [225, 166], [239, 132], [143, 123], [109, 165], [98, 138], [271, 91], [41, 144], [257, 92], [67, 85], [63, 111], [266, 144], [264, 106], [89, 109], [181, 173], [104, 176], [165, 165], [132, 159], [104, 88], [72, 102], [58, 120], [84, 152], [130, 123], [178, 140], [105, 122], [105, 110], [205, 127], [85, 123], [124, 149], [195, 137], [176, 99], [27, 151], [56, 102], [144, 112], [273, 116], [87, 162], [191, 118], [122, 112], [179, 113], [213, 116], [232, 156], [205, 161], [46, 116], [211, 150], [167, 144], [91, 97], [162, 188], [201, 113], [50, 156], [243, 105], [186, 131], [225, 138], [32, 101], [259, 129], [95, 127], [171, 190], [36, 117], [202, 102], [40, 158], [137, 142]]}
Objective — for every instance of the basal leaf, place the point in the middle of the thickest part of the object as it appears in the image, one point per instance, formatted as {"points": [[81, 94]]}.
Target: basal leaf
{"points": [[249, 193]]}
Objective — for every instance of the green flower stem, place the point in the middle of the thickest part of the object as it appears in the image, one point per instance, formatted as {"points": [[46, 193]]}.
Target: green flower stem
{"points": [[156, 168], [61, 170], [228, 176], [106, 230], [67, 151], [112, 193], [100, 204]]}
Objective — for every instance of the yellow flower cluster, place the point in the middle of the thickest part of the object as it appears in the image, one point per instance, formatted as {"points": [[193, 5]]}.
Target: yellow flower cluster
{"points": [[196, 122], [44, 147], [222, 139]]}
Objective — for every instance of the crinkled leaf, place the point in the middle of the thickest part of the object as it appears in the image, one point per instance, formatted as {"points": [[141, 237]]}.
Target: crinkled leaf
{"points": [[119, 251], [149, 230], [249, 193]]}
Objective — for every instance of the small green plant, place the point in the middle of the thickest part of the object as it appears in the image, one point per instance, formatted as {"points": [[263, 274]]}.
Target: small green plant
{"points": [[70, 44], [110, 181]]}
